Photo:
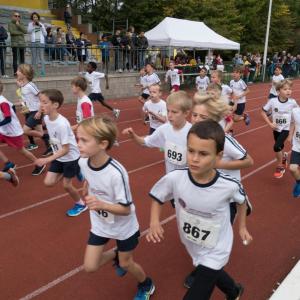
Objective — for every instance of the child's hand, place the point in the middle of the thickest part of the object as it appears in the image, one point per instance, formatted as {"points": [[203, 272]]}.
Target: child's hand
{"points": [[273, 125], [128, 131], [93, 203], [156, 233], [41, 162], [85, 191], [245, 236], [38, 115], [290, 139]]}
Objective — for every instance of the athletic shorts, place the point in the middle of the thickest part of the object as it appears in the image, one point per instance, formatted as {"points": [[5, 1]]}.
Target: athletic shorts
{"points": [[12, 141], [175, 87], [240, 109], [272, 96], [81, 58], [295, 158], [151, 130], [145, 96], [30, 121], [122, 245], [279, 138], [96, 97], [69, 169]]}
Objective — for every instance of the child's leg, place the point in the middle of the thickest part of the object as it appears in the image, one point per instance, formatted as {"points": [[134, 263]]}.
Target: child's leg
{"points": [[68, 186], [52, 178], [280, 138], [105, 104], [295, 171], [3, 157], [36, 131], [27, 154]]}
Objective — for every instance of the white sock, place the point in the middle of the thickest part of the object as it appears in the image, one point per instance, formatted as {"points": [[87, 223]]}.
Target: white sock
{"points": [[80, 202], [7, 176]]}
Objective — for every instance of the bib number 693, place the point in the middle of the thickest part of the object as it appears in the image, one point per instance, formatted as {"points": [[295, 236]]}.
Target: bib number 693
{"points": [[195, 232], [174, 155]]}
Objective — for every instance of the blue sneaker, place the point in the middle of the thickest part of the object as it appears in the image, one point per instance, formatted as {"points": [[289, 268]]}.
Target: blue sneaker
{"points": [[145, 291], [8, 165], [76, 210], [119, 270], [296, 190]]}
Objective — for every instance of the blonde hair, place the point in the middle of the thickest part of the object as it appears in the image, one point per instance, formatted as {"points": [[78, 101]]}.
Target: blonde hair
{"points": [[181, 99], [27, 71], [282, 83], [80, 82], [216, 108], [102, 128], [219, 74]]}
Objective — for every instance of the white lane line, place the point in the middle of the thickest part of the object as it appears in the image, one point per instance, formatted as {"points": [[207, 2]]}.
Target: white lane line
{"points": [[65, 194], [250, 130], [78, 269]]}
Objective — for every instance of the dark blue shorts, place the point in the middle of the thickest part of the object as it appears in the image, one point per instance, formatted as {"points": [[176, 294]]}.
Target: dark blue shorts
{"points": [[295, 158], [30, 121], [69, 169], [240, 109]]}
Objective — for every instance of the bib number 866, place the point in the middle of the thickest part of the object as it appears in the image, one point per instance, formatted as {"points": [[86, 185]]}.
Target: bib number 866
{"points": [[174, 155], [280, 121], [195, 232]]}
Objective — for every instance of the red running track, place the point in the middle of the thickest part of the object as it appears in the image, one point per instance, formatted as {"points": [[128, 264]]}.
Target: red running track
{"points": [[42, 249]]}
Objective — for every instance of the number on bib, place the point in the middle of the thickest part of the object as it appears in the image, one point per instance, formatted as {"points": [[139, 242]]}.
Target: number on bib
{"points": [[55, 144], [106, 216], [175, 154]]}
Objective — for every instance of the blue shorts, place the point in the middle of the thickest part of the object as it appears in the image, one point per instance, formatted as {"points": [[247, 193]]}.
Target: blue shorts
{"points": [[240, 109], [69, 169], [30, 121], [295, 158]]}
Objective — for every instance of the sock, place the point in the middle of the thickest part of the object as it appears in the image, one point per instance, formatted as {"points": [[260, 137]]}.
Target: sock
{"points": [[31, 139], [6, 176], [80, 202]]}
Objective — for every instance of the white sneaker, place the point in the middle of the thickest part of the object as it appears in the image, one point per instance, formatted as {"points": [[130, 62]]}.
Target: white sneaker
{"points": [[120, 71], [5, 76], [116, 113]]}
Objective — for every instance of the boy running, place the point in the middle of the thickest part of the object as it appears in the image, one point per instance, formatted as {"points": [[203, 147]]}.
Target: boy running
{"points": [[277, 77], [202, 81], [173, 74]]}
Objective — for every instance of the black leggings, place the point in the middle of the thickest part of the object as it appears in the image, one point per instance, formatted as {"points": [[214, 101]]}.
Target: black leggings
{"points": [[18, 53], [205, 281], [280, 138]]}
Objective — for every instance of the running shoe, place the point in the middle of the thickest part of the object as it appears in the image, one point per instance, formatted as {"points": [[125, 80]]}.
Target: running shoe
{"points": [[48, 152], [145, 290], [38, 170], [116, 113], [247, 119], [285, 159], [31, 147], [296, 190], [8, 165], [189, 280], [240, 290], [14, 178], [279, 172], [119, 270], [76, 210]]}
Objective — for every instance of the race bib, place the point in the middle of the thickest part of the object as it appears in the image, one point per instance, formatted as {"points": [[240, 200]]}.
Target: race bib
{"points": [[106, 216], [175, 154], [199, 230], [282, 119], [78, 117], [55, 144]]}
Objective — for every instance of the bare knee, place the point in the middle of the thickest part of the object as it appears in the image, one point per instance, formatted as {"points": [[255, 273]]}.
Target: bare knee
{"points": [[48, 183], [67, 185], [125, 263], [89, 268], [294, 168]]}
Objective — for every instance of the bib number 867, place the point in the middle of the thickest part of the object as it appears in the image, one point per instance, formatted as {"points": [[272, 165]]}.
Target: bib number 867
{"points": [[174, 155], [195, 232]]}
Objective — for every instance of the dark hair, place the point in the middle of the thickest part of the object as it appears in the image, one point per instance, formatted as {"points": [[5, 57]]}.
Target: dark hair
{"points": [[57, 29], [209, 130], [151, 65], [55, 96], [80, 82], [278, 67], [237, 70], [34, 13], [93, 65]]}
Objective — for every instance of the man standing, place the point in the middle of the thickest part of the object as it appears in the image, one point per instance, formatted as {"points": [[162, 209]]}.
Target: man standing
{"points": [[3, 37], [17, 33]]}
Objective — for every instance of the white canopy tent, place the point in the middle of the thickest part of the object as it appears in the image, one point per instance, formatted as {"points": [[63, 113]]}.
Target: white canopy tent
{"points": [[172, 32]]}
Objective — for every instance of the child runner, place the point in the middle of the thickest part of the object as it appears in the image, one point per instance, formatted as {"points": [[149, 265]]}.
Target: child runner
{"points": [[10, 176], [281, 110], [150, 78], [240, 90], [217, 77], [64, 161], [93, 78], [170, 136], [202, 195], [85, 107], [112, 212], [33, 118], [155, 108], [277, 77], [234, 157], [144, 96], [174, 77], [11, 133], [202, 81]]}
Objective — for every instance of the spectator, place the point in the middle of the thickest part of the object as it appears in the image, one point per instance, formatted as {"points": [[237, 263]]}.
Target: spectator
{"points": [[49, 49], [134, 46], [246, 69], [81, 44], [142, 45], [60, 42], [3, 37], [116, 41], [252, 69], [126, 45], [37, 32], [71, 43], [17, 34], [104, 46], [68, 16]]}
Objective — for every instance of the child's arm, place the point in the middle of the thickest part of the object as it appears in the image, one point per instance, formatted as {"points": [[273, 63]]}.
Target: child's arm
{"points": [[156, 232], [166, 77], [235, 164], [138, 139], [291, 133], [61, 152], [229, 123], [5, 109], [160, 118], [267, 120], [96, 204], [244, 234]]}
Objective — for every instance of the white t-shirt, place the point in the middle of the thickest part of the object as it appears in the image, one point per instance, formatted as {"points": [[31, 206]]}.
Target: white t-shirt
{"points": [[226, 92], [202, 83], [29, 94], [79, 112], [159, 108], [233, 151], [173, 142], [110, 183], [238, 88], [13, 128], [60, 134], [93, 80], [275, 79], [296, 136], [202, 212], [281, 112], [143, 83], [174, 75], [150, 80]]}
